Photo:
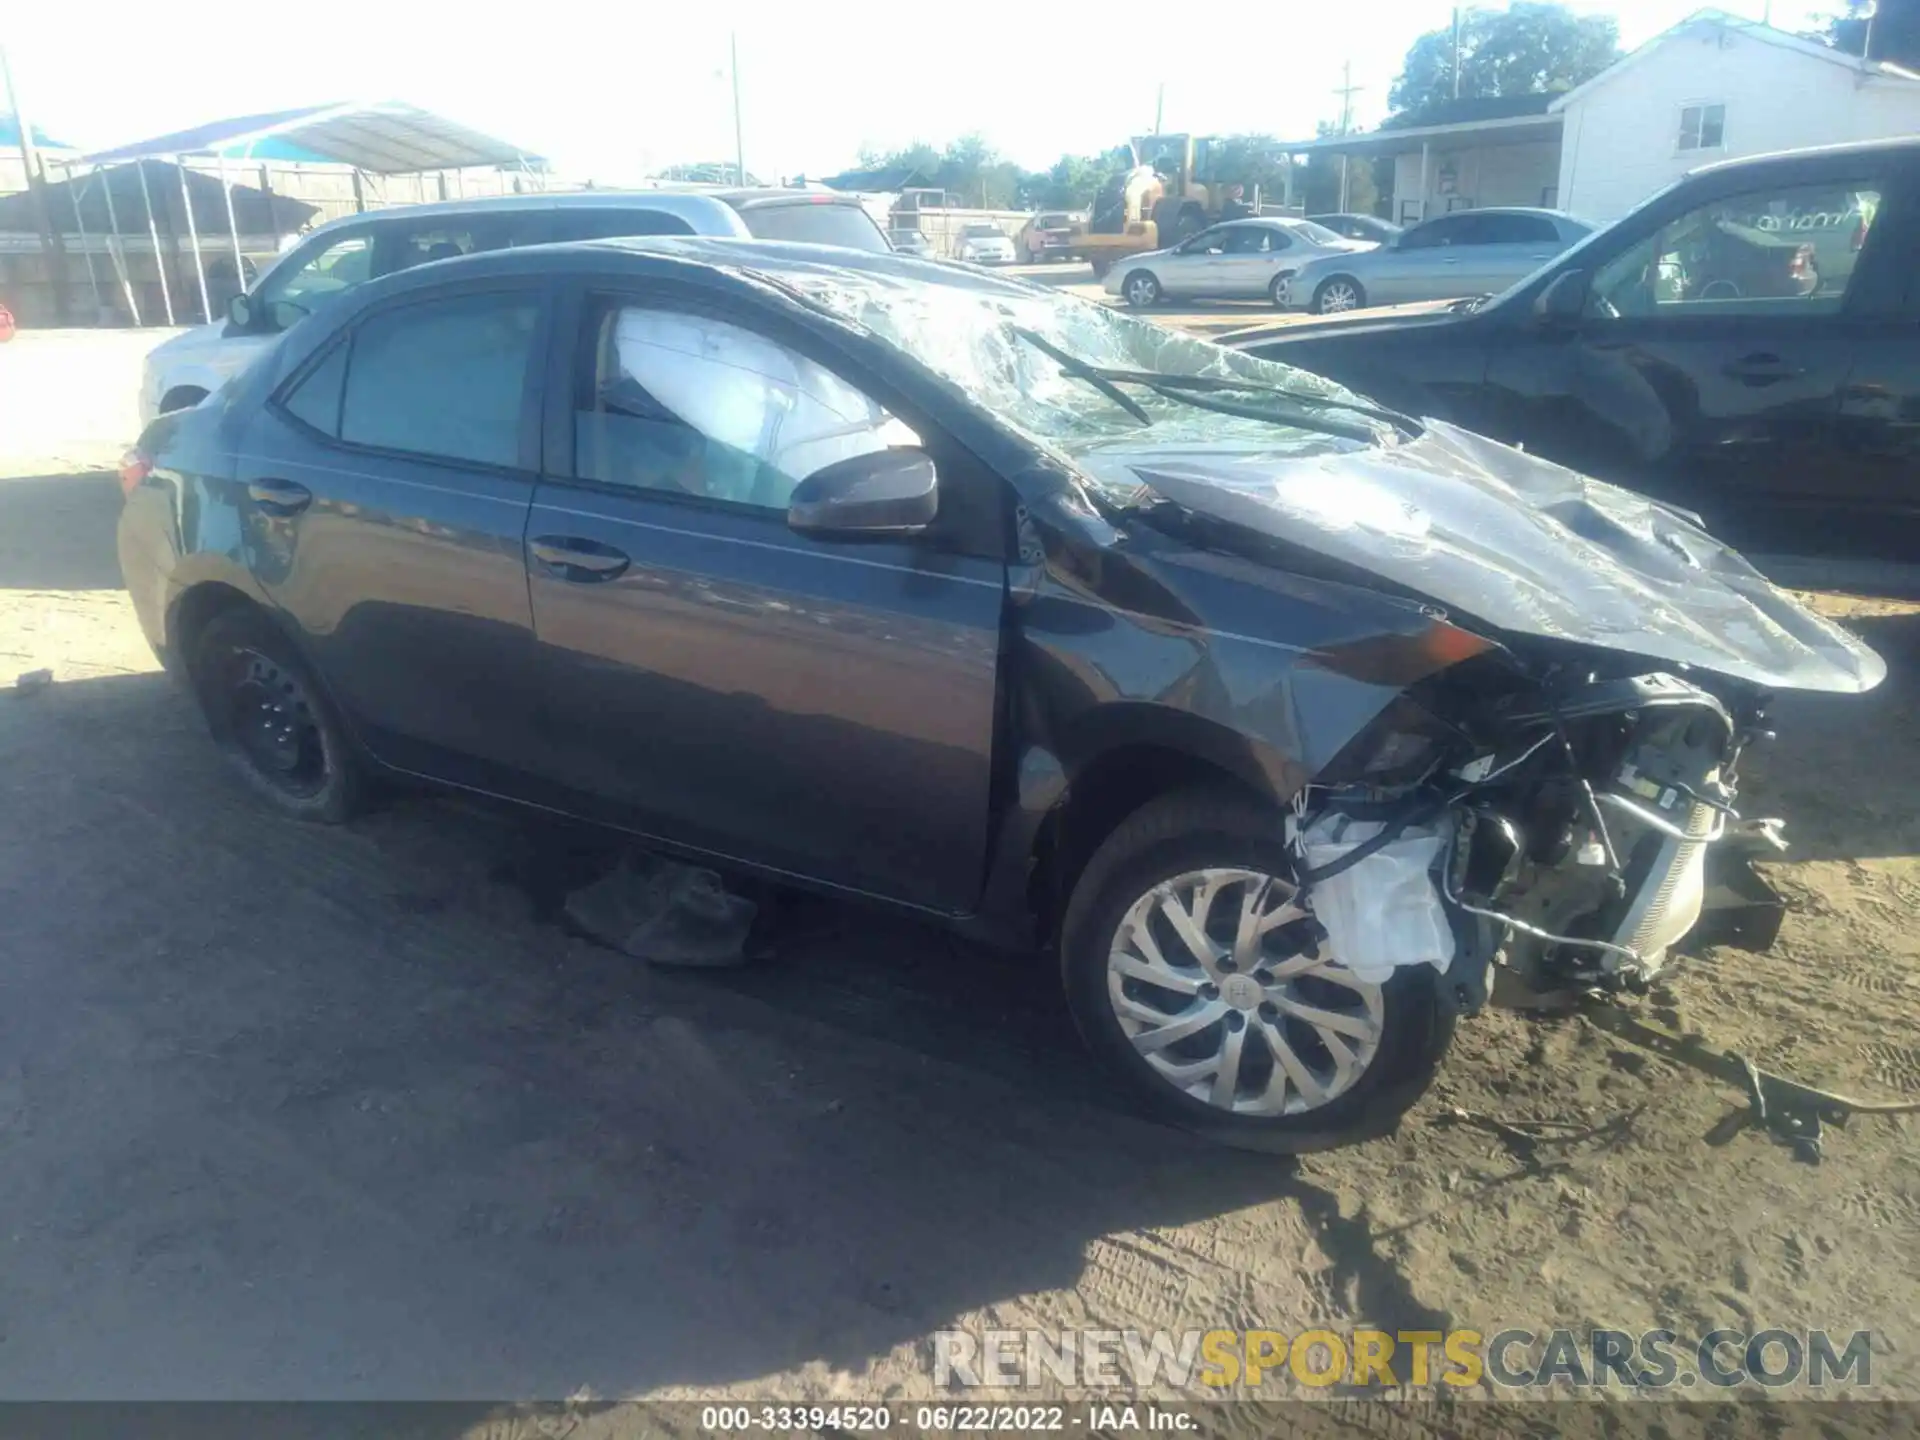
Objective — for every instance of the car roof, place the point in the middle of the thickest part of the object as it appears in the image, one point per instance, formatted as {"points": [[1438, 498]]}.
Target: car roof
{"points": [[1899, 145], [693, 207], [1509, 210], [690, 256], [753, 195]]}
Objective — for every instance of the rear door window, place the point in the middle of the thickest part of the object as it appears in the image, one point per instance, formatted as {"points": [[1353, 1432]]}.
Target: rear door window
{"points": [[815, 223], [1493, 229], [444, 378]]}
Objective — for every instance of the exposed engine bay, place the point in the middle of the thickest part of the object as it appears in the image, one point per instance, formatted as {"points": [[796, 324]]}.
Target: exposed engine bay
{"points": [[1538, 834]]}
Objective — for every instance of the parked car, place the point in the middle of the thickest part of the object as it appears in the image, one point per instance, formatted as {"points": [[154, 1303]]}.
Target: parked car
{"points": [[1241, 259], [1743, 345], [910, 242], [1047, 236], [983, 244], [1469, 252], [1271, 711], [1360, 227], [339, 256]]}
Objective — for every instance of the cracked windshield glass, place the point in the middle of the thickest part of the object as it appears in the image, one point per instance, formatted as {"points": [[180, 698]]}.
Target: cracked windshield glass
{"points": [[1078, 376]]}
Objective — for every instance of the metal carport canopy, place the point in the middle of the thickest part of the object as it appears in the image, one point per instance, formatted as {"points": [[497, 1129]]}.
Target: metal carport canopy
{"points": [[382, 139]]}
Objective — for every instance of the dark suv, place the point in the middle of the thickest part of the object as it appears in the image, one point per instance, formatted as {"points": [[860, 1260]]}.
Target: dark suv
{"points": [[1275, 714], [1745, 345]]}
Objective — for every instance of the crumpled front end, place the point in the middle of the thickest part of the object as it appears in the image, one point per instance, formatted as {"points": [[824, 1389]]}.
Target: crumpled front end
{"points": [[1538, 831]]}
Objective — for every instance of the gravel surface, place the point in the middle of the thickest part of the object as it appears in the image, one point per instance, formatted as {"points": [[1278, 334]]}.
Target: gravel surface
{"points": [[301, 1112]]}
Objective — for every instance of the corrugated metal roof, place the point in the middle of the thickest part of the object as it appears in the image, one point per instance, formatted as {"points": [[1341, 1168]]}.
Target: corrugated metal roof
{"points": [[383, 139]]}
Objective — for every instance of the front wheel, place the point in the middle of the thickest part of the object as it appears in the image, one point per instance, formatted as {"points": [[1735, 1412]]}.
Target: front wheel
{"points": [[1338, 295], [1194, 972], [1141, 290]]}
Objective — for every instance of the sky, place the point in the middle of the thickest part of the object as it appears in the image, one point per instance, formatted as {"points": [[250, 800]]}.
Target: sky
{"points": [[612, 94]]}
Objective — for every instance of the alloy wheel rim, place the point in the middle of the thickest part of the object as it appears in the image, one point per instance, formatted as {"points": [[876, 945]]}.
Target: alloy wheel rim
{"points": [[273, 722], [1338, 297], [1140, 290], [1222, 983]]}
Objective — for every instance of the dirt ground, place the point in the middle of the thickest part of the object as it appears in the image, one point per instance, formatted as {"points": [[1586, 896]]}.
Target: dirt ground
{"points": [[297, 1112]]}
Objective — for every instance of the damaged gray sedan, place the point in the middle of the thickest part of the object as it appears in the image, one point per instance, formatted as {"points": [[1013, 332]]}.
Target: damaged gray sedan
{"points": [[1297, 728]]}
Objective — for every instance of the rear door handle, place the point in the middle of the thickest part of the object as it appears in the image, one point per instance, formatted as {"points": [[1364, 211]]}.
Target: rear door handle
{"points": [[573, 557], [279, 497], [1760, 369]]}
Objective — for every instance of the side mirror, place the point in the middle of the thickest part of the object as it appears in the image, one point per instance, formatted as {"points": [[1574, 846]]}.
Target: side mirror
{"points": [[1564, 300], [240, 312], [886, 492]]}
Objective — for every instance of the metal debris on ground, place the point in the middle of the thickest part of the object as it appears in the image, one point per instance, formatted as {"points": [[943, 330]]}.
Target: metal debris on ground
{"points": [[1786, 1109], [665, 913]]}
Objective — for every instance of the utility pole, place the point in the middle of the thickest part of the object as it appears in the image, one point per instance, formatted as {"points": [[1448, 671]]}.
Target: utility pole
{"points": [[1159, 104], [1346, 93], [50, 240], [1456, 52], [739, 144]]}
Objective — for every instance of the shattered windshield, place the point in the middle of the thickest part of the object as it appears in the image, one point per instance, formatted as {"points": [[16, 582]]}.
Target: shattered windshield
{"points": [[1040, 361]]}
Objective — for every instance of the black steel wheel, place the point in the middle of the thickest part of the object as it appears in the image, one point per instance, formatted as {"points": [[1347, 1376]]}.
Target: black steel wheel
{"points": [[272, 720]]}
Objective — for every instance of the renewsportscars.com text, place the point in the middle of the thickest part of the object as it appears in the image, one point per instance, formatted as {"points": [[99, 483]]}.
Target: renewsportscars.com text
{"points": [[1512, 1359]]}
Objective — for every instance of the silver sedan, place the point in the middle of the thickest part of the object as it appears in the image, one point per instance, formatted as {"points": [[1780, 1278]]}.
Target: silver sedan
{"points": [[1240, 259], [1470, 252]]}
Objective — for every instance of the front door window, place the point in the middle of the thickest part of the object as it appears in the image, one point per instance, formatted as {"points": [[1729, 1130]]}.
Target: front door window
{"points": [[1782, 248]]}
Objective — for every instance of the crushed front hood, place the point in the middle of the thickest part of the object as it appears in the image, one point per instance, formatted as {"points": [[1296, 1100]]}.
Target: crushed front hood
{"points": [[1517, 543]]}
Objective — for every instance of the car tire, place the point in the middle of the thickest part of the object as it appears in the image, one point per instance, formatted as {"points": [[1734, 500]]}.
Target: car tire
{"points": [[272, 720], [1277, 291], [1338, 294], [1141, 289], [1223, 832]]}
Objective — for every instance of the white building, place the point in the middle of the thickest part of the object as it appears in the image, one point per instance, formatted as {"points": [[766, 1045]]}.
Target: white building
{"points": [[1714, 87]]}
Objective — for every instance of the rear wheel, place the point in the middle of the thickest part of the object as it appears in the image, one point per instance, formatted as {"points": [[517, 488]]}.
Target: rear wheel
{"points": [[271, 720], [1338, 294], [1140, 289], [1277, 291], [1195, 973]]}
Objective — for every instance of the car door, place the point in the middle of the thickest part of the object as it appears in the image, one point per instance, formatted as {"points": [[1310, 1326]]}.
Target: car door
{"points": [[384, 496], [822, 708], [1251, 259], [1192, 268], [1705, 373], [1502, 248], [1423, 264]]}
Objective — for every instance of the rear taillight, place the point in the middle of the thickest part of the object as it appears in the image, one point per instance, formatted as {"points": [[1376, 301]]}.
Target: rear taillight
{"points": [[134, 467]]}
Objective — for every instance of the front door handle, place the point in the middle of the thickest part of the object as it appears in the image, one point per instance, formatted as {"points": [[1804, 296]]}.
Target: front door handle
{"points": [[1761, 369], [279, 497], [572, 557]]}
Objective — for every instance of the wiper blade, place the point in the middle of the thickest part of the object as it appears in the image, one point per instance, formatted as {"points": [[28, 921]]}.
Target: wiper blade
{"points": [[1400, 421], [1297, 418], [1092, 374]]}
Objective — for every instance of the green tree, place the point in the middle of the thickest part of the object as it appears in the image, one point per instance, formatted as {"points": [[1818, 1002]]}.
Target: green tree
{"points": [[1894, 34], [1317, 185], [1524, 50]]}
